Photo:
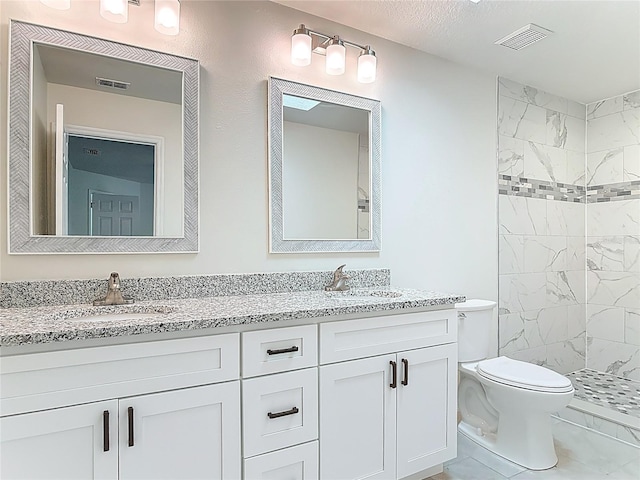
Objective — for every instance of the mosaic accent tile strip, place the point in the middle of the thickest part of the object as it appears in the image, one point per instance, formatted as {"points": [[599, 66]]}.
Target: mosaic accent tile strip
{"points": [[613, 191], [610, 391], [69, 292], [529, 187]]}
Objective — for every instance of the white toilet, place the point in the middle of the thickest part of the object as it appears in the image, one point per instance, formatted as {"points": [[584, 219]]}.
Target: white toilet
{"points": [[505, 405]]}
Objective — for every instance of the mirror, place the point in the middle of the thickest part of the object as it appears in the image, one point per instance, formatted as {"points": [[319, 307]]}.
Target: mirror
{"points": [[103, 146], [324, 165]]}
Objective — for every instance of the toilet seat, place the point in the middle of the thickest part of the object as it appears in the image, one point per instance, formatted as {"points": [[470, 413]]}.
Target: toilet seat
{"points": [[523, 375]]}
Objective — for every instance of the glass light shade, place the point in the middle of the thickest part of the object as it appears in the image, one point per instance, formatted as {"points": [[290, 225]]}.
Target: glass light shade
{"points": [[367, 63], [336, 54], [301, 49], [57, 4], [168, 16], [116, 11]]}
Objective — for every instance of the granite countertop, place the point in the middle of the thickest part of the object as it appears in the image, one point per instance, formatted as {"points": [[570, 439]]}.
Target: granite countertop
{"points": [[41, 325]]}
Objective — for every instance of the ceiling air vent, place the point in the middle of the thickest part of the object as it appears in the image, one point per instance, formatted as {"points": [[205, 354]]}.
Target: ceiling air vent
{"points": [[105, 82], [524, 37]]}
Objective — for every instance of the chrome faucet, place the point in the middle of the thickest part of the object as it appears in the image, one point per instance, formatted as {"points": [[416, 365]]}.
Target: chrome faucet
{"points": [[339, 283], [114, 295]]}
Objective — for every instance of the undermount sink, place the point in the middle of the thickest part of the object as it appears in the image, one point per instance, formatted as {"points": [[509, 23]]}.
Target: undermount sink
{"points": [[108, 317], [357, 293], [116, 313]]}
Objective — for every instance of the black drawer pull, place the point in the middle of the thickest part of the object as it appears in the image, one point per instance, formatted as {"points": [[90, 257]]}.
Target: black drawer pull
{"points": [[293, 411], [105, 431], [283, 350], [405, 380], [394, 374], [130, 418]]}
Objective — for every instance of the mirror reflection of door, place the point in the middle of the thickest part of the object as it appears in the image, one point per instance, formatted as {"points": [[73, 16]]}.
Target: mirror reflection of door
{"points": [[114, 215], [110, 186]]}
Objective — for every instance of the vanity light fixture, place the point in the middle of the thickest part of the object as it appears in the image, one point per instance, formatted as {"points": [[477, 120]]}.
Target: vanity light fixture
{"points": [[167, 12], [116, 11], [305, 41], [167, 16], [336, 56]]}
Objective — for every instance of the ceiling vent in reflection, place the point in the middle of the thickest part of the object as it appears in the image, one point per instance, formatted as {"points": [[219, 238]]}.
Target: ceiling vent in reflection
{"points": [[525, 36], [105, 82]]}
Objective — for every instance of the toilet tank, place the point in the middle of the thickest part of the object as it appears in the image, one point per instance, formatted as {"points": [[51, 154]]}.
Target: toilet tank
{"points": [[474, 329]]}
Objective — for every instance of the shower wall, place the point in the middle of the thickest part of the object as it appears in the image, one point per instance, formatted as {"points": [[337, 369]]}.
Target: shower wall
{"points": [[613, 235], [541, 176]]}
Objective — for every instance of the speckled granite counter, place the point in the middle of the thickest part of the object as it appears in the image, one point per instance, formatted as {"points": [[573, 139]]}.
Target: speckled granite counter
{"points": [[42, 325]]}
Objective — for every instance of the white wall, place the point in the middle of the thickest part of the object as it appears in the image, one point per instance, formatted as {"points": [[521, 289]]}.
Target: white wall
{"points": [[319, 182], [438, 149]]}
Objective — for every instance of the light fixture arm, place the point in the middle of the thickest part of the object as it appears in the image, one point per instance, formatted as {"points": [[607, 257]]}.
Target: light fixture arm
{"points": [[319, 46]]}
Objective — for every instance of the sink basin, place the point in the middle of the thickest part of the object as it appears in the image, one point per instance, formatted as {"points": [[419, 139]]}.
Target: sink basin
{"points": [[110, 317], [364, 294], [114, 313]]}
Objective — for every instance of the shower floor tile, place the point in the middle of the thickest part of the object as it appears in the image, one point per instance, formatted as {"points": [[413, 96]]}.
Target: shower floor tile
{"points": [[610, 391]]}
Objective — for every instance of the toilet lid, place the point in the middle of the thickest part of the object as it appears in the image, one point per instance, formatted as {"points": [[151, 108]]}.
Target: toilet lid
{"points": [[475, 304], [523, 375]]}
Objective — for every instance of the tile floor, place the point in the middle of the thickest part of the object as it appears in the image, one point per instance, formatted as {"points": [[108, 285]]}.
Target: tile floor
{"points": [[582, 455], [617, 393]]}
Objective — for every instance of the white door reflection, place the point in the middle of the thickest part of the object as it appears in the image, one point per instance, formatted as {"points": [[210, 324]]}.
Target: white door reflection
{"points": [[111, 187]]}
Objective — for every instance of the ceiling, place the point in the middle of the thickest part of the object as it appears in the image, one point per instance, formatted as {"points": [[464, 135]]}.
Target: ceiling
{"points": [[593, 54], [66, 66]]}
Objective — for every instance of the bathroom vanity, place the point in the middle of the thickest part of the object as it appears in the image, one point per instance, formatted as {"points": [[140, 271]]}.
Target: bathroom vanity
{"points": [[295, 385]]}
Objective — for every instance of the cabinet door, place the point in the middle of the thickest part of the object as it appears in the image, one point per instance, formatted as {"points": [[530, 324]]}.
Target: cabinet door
{"points": [[427, 413], [66, 443], [187, 434], [357, 419]]}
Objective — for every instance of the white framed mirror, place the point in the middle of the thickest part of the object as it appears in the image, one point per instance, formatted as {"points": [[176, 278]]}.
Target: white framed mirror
{"points": [[324, 170], [103, 146]]}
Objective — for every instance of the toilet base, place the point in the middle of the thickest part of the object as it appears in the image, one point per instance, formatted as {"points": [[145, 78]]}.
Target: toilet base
{"points": [[542, 457]]}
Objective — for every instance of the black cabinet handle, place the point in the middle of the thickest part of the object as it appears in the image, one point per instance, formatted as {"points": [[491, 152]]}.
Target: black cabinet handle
{"points": [[130, 418], [105, 431], [394, 374], [293, 411], [405, 380], [282, 350]]}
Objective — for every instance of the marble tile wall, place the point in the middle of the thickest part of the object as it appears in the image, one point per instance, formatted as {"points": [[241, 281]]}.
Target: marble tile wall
{"points": [[613, 236], [541, 171]]}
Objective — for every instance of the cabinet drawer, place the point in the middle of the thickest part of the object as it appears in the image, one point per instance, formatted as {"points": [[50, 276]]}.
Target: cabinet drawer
{"points": [[279, 411], [279, 350], [293, 463], [352, 339], [48, 380]]}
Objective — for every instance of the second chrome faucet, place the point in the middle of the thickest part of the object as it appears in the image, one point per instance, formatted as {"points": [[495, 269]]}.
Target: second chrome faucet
{"points": [[339, 283]]}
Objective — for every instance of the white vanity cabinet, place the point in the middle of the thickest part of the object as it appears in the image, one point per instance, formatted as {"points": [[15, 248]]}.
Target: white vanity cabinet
{"points": [[118, 430], [166, 435], [391, 415], [370, 397]]}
